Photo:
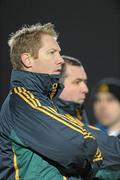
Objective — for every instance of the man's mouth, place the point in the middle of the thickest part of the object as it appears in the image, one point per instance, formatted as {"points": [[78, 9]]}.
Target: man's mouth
{"points": [[83, 97], [59, 70]]}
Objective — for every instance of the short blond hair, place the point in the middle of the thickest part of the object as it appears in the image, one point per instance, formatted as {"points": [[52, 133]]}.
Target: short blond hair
{"points": [[28, 39]]}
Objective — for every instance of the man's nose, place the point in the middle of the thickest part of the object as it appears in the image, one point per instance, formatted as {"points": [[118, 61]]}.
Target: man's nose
{"points": [[60, 60], [85, 88]]}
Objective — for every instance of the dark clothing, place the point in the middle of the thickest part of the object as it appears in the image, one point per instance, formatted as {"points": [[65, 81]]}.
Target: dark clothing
{"points": [[101, 127], [109, 145], [36, 142]]}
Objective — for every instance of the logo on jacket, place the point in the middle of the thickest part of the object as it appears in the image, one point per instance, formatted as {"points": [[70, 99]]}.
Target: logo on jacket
{"points": [[53, 90]]}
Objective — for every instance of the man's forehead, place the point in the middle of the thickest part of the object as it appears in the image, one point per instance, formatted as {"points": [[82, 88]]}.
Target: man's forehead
{"points": [[104, 94], [76, 71], [50, 42]]}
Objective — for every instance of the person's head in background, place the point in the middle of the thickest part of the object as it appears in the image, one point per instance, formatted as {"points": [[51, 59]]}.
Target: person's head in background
{"points": [[74, 79], [106, 104], [35, 49]]}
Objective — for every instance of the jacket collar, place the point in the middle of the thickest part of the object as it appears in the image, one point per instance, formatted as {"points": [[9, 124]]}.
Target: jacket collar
{"points": [[74, 109], [36, 82]]}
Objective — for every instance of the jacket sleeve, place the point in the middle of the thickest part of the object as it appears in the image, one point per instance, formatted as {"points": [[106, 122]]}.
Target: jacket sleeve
{"points": [[48, 134], [109, 146]]}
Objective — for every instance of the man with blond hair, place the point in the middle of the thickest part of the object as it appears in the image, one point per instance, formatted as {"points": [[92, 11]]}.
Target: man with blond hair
{"points": [[36, 142]]}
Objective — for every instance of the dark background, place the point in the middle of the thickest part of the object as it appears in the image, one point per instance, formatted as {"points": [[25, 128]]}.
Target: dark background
{"points": [[89, 30]]}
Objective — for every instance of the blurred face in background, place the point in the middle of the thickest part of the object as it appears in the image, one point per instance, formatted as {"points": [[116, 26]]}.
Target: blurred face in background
{"points": [[106, 108], [75, 87]]}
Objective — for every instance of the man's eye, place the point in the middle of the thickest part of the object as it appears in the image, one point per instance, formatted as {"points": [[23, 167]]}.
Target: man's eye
{"points": [[77, 82], [52, 52], [96, 100], [111, 99], [80, 81]]}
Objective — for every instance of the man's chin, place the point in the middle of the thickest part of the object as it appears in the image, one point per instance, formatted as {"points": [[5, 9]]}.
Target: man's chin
{"points": [[80, 102], [56, 73]]}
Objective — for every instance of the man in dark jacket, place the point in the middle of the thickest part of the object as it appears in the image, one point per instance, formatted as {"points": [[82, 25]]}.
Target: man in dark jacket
{"points": [[71, 103], [37, 142]]}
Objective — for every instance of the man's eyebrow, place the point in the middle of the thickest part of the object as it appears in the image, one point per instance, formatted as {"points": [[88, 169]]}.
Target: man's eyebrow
{"points": [[54, 49], [80, 79]]}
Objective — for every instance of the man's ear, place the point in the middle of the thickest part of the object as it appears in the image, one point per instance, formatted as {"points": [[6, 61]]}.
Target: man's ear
{"points": [[26, 60]]}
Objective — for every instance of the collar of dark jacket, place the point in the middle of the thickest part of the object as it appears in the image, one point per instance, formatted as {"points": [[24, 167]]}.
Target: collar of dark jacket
{"points": [[37, 82], [74, 109]]}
